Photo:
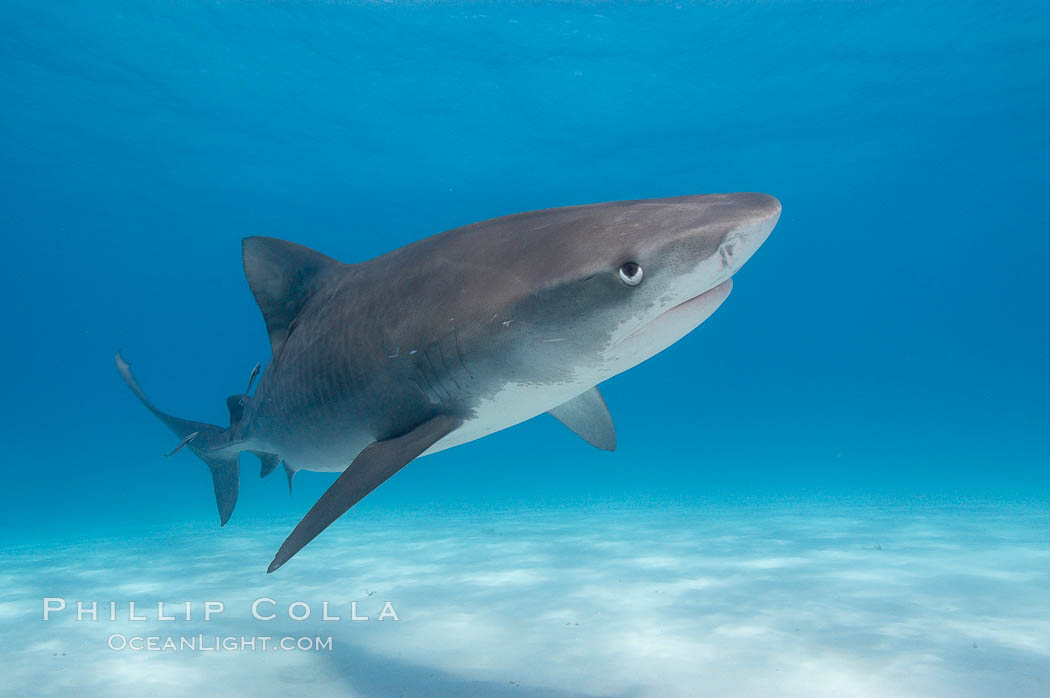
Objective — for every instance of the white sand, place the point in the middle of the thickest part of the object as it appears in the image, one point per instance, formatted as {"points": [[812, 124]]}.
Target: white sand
{"points": [[778, 599]]}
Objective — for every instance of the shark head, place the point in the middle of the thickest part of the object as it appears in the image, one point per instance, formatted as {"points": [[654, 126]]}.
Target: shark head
{"points": [[610, 285], [697, 244]]}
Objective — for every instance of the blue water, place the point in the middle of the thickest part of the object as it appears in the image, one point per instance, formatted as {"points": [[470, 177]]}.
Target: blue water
{"points": [[879, 376]]}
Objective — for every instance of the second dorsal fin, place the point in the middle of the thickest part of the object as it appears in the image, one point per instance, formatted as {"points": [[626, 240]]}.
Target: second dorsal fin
{"points": [[282, 276]]}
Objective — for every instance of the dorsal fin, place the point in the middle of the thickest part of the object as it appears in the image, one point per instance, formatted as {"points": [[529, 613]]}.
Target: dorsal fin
{"points": [[282, 276]]}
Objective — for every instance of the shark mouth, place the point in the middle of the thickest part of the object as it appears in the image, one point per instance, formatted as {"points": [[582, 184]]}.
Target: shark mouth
{"points": [[673, 324]]}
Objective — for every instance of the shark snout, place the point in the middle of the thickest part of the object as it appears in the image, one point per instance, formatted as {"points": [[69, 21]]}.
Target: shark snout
{"points": [[759, 215]]}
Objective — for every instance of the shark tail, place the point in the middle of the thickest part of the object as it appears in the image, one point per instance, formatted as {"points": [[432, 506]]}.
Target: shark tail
{"points": [[212, 444]]}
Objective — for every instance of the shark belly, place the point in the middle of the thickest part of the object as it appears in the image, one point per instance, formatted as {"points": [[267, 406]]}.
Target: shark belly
{"points": [[512, 404]]}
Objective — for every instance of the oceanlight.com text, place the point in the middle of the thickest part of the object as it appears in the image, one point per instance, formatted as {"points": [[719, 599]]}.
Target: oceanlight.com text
{"points": [[218, 643]]}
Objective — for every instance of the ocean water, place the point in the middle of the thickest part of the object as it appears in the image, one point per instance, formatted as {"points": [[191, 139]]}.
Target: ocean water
{"points": [[837, 485]]}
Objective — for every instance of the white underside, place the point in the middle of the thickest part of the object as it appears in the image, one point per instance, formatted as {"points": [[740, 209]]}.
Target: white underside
{"points": [[512, 405], [516, 403]]}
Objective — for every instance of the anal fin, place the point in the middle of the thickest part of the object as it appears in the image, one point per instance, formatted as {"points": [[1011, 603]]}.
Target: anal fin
{"points": [[269, 461], [290, 472]]}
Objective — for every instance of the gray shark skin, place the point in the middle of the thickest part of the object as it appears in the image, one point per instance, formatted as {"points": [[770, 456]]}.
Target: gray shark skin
{"points": [[463, 334]]}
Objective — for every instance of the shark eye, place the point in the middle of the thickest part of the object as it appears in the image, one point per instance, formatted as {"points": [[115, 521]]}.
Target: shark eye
{"points": [[631, 274]]}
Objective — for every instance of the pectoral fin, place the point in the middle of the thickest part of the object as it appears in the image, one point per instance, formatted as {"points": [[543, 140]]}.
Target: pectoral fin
{"points": [[587, 415], [370, 469]]}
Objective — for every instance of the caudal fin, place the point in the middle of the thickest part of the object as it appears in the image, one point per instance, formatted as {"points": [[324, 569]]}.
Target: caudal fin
{"points": [[211, 444]]}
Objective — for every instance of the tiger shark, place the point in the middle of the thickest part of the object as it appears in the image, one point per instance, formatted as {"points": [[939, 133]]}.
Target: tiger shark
{"points": [[463, 334]]}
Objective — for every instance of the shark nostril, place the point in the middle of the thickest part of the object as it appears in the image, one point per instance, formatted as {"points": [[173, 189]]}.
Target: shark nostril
{"points": [[726, 253]]}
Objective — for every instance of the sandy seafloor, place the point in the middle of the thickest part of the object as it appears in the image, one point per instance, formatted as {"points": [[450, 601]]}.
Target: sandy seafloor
{"points": [[797, 598]]}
